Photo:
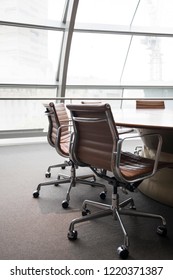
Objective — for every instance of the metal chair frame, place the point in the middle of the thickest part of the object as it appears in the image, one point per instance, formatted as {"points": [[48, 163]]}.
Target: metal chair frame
{"points": [[87, 119], [59, 137]]}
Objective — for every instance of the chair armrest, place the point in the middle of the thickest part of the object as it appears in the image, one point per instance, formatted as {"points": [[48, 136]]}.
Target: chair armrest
{"points": [[119, 152], [70, 126]]}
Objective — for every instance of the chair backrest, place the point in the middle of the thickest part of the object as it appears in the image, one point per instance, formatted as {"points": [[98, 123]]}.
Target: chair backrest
{"points": [[95, 135], [58, 132], [150, 104]]}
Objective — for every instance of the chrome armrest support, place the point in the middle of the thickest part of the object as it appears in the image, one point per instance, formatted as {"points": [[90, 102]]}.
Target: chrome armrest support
{"points": [[70, 126], [117, 157]]}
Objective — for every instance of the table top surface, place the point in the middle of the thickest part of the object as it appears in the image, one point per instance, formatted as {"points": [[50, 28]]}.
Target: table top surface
{"points": [[144, 118]]}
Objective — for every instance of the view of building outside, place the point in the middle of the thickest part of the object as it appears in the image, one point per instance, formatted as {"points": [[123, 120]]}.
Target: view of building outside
{"points": [[26, 56]]}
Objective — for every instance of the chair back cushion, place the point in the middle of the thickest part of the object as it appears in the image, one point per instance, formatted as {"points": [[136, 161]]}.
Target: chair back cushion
{"points": [[58, 132], [150, 104], [95, 135]]}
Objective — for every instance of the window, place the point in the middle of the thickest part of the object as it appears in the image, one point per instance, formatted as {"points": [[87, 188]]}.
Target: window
{"points": [[29, 55], [119, 49]]}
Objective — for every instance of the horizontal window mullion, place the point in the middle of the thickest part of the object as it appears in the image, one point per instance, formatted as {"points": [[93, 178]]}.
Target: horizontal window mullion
{"points": [[85, 98], [6, 85], [121, 30], [58, 27], [93, 28], [72, 86]]}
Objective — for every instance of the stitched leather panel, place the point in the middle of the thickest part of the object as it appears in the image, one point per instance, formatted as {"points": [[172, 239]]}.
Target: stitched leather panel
{"points": [[95, 146], [94, 140], [58, 117]]}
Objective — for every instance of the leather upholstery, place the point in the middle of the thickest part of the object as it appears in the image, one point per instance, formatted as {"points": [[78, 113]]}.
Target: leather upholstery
{"points": [[150, 104], [58, 117]]}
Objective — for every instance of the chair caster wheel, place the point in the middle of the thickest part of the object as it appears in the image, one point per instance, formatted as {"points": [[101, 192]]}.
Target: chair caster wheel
{"points": [[65, 204], [47, 174], [161, 230], [72, 235], [123, 252], [103, 195], [85, 212], [35, 194]]}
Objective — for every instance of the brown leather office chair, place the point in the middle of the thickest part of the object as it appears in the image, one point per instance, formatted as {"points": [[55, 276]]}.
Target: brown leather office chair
{"points": [[150, 104], [96, 144], [59, 137]]}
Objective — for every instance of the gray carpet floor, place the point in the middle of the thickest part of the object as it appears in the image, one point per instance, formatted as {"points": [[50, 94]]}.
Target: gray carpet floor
{"points": [[36, 229]]}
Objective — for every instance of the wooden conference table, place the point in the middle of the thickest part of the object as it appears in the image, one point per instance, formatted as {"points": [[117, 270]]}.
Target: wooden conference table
{"points": [[160, 186]]}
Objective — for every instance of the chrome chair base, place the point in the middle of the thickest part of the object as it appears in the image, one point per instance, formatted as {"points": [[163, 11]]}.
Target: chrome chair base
{"points": [[61, 165], [116, 209], [73, 180]]}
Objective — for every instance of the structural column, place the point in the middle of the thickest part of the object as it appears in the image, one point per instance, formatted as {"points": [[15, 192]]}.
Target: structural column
{"points": [[69, 22]]}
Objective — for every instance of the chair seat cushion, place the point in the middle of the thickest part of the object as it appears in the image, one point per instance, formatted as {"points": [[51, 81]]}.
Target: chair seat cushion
{"points": [[133, 166]]}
